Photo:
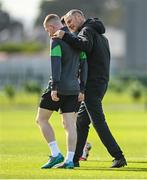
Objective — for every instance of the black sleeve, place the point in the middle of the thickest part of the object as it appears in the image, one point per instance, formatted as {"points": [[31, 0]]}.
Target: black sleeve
{"points": [[83, 75], [55, 55], [83, 71], [83, 42]]}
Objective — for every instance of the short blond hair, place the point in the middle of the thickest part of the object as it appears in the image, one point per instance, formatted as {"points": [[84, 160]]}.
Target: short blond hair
{"points": [[51, 18]]}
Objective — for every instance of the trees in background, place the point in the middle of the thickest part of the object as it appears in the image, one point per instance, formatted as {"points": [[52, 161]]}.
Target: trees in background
{"points": [[4, 19], [10, 29], [109, 10]]}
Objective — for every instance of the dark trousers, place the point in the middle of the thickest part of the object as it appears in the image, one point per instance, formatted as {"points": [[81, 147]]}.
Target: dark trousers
{"points": [[94, 94]]}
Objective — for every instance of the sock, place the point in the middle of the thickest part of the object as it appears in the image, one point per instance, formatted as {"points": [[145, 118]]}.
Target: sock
{"points": [[69, 156], [54, 148]]}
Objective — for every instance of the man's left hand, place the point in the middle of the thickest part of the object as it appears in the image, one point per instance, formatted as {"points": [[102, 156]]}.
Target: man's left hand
{"points": [[58, 34]]}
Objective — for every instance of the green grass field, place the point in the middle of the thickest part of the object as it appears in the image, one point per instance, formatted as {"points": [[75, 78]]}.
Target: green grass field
{"points": [[23, 149]]}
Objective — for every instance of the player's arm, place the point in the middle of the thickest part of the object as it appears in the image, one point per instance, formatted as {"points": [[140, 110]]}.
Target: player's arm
{"points": [[55, 55]]}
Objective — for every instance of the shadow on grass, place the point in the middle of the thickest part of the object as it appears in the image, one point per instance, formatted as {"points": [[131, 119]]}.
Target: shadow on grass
{"points": [[109, 161], [137, 162], [139, 169], [113, 169]]}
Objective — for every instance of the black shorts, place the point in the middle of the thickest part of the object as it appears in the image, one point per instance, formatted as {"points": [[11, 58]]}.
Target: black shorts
{"points": [[66, 104]]}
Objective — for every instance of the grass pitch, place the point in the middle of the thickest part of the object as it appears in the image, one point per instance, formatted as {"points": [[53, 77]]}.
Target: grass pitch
{"points": [[23, 149]]}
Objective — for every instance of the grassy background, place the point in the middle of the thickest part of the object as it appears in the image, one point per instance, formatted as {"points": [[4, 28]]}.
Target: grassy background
{"points": [[23, 149]]}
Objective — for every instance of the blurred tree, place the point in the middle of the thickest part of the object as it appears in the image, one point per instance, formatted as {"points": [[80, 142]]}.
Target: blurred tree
{"points": [[113, 13], [4, 19], [9, 91], [108, 10], [136, 90], [12, 26], [32, 87]]}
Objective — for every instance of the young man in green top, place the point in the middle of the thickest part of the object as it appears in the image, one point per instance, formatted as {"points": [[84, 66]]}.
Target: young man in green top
{"points": [[64, 92]]}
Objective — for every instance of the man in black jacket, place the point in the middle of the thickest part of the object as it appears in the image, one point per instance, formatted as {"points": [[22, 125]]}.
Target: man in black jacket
{"points": [[91, 40]]}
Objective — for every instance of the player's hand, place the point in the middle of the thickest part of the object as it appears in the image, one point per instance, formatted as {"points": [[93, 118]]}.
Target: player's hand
{"points": [[58, 34], [54, 96], [81, 97]]}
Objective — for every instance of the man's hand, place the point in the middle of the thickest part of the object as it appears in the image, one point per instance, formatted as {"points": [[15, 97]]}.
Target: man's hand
{"points": [[54, 96], [81, 97], [58, 34]]}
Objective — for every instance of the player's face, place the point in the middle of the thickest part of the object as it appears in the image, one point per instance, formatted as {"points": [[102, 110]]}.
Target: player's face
{"points": [[50, 29], [73, 22]]}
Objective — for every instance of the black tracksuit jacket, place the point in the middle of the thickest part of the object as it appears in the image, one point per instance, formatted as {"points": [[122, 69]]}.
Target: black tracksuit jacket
{"points": [[68, 66], [91, 40]]}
